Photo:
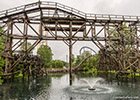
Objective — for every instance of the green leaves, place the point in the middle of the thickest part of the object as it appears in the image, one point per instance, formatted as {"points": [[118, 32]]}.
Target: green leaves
{"points": [[2, 61], [90, 64], [2, 40], [46, 54], [57, 64]]}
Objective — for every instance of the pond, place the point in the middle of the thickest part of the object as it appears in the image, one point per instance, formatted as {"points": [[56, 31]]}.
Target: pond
{"points": [[56, 87]]}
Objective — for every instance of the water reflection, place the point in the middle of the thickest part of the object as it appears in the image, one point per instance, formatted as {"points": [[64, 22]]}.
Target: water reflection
{"points": [[56, 87], [23, 89]]}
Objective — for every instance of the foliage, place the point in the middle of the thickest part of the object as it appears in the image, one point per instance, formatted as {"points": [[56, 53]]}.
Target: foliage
{"points": [[46, 54], [86, 53], [2, 41], [2, 63], [56, 64], [73, 58], [79, 59], [90, 64], [65, 63]]}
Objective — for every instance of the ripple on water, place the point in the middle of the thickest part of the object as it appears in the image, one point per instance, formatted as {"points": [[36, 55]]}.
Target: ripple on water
{"points": [[84, 90]]}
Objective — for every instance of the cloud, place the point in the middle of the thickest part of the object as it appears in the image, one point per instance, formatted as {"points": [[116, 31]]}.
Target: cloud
{"points": [[128, 7], [105, 6]]}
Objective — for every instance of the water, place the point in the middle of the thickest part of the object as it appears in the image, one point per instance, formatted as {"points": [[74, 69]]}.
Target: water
{"points": [[94, 81], [56, 87]]}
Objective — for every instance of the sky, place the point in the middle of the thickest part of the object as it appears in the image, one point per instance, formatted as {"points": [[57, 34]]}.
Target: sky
{"points": [[118, 7]]}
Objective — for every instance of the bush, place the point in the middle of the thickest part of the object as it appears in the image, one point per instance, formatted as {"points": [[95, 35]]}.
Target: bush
{"points": [[56, 64]]}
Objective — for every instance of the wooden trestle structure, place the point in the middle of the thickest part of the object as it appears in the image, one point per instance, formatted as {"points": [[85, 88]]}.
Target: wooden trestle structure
{"points": [[67, 24]]}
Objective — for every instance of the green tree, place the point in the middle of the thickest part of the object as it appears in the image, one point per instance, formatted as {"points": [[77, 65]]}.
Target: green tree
{"points": [[73, 60], [90, 64], [2, 41], [79, 58], [46, 54], [52, 64], [2, 46], [57, 64], [2, 63], [65, 63], [86, 53]]}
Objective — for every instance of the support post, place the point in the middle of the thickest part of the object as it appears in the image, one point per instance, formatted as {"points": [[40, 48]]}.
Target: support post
{"points": [[70, 54], [10, 49], [70, 61]]}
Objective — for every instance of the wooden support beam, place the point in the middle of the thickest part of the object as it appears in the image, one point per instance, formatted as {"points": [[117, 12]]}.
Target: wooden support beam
{"points": [[70, 53]]}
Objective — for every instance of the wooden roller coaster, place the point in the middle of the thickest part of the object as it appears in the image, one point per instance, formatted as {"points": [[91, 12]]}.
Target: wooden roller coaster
{"points": [[116, 36]]}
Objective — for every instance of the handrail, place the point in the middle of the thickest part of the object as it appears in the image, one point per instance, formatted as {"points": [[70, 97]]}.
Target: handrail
{"points": [[111, 16], [70, 10], [18, 8], [64, 7]]}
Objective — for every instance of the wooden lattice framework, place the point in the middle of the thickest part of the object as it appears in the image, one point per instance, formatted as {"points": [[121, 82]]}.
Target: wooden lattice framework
{"points": [[67, 24]]}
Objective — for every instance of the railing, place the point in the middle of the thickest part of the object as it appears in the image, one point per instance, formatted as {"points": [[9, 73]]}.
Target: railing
{"points": [[90, 16], [113, 17], [17, 9], [63, 7], [70, 10]]}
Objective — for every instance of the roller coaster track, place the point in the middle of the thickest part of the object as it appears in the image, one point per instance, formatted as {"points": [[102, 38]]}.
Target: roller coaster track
{"points": [[38, 6], [87, 48], [77, 66], [64, 23]]}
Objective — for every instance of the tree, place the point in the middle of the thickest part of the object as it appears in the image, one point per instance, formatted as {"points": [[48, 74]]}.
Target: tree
{"points": [[59, 64], [86, 53], [65, 63], [73, 60], [2, 61], [2, 41], [46, 54], [90, 64], [78, 59], [56, 64]]}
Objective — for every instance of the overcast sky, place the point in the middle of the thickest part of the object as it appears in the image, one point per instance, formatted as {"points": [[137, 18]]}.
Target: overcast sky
{"points": [[119, 7]]}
